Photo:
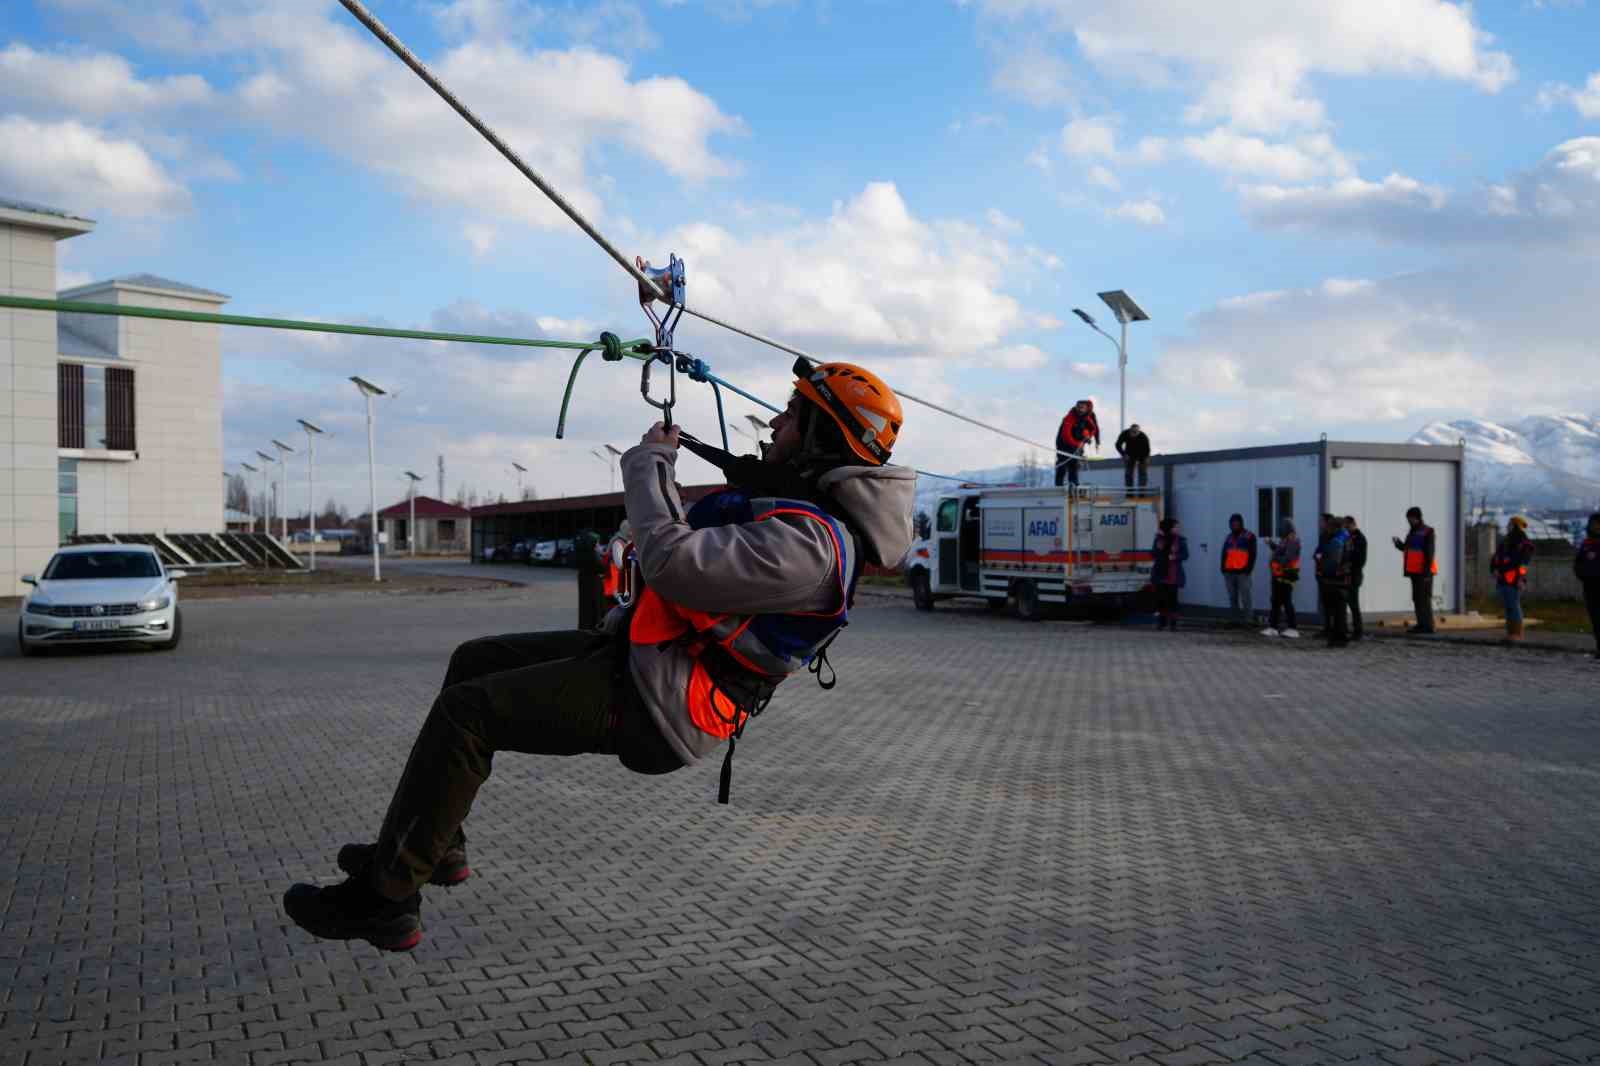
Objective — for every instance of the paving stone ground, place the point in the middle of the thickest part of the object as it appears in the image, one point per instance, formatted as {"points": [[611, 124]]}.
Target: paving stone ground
{"points": [[993, 842]]}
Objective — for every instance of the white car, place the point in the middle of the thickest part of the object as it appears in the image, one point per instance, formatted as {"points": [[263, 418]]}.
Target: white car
{"points": [[101, 593]]}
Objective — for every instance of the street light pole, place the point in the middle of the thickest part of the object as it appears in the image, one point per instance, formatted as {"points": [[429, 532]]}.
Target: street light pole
{"points": [[369, 390], [612, 464], [311, 484], [1123, 306], [248, 506], [283, 485], [411, 530], [520, 469], [266, 492]]}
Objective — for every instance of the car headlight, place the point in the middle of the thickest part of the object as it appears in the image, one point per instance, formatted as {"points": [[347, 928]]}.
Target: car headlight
{"points": [[38, 605], [155, 603]]}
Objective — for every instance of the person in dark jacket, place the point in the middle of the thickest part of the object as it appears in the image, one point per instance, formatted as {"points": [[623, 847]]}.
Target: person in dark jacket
{"points": [[1586, 564], [1134, 447], [1285, 563], [1510, 568], [1171, 549], [1419, 565], [1238, 571], [1333, 578], [1356, 553], [1078, 428]]}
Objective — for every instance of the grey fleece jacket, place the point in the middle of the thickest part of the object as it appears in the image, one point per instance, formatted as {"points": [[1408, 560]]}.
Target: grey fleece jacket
{"points": [[780, 565]]}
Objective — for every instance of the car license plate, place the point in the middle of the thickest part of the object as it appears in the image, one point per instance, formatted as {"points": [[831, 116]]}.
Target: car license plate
{"points": [[96, 624]]}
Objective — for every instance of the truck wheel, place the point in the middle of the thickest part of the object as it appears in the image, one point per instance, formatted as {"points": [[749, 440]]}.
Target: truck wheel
{"points": [[921, 594], [1027, 595], [997, 603]]}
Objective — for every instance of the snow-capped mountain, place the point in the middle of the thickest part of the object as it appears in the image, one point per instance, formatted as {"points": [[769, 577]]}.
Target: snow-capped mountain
{"points": [[1550, 461]]}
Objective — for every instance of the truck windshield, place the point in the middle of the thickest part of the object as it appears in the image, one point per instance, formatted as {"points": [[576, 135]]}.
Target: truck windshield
{"points": [[102, 566], [947, 515]]}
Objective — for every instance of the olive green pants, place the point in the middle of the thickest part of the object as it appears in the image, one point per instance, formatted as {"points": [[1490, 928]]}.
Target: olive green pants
{"points": [[561, 693]]}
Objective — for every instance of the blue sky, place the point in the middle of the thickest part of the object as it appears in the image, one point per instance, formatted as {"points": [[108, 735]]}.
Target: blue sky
{"points": [[1351, 217]]}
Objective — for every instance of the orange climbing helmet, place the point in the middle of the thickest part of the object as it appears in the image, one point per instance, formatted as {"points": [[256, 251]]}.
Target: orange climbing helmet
{"points": [[864, 408]]}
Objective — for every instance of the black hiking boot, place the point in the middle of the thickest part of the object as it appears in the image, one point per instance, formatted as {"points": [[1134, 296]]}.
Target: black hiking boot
{"points": [[451, 871], [354, 910]]}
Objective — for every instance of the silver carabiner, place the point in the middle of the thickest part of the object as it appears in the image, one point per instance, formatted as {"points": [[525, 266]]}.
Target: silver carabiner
{"points": [[664, 406]]}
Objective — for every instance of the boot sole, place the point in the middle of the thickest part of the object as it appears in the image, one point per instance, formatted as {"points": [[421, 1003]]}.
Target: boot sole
{"points": [[353, 858]]}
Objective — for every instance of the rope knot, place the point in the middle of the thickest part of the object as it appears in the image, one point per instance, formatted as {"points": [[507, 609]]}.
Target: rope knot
{"points": [[611, 347], [696, 369]]}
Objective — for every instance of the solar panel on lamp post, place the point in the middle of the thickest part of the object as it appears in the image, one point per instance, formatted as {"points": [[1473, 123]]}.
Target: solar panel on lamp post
{"points": [[283, 486], [615, 461], [266, 492], [312, 432], [520, 469], [369, 390], [1123, 306], [411, 530], [248, 506]]}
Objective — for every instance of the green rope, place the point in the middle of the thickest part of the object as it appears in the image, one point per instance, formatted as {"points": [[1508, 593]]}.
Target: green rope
{"points": [[23, 303]]}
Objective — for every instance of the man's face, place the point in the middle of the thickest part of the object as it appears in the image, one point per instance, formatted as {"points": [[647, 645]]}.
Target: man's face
{"points": [[1237, 525], [1415, 520], [786, 439]]}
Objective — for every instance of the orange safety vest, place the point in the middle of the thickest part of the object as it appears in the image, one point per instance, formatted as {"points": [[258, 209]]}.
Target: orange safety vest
{"points": [[766, 648], [1416, 555], [1286, 572], [1234, 558]]}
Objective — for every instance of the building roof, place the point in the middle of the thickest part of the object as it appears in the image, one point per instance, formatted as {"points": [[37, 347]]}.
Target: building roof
{"points": [[39, 209], [427, 507], [146, 281]]}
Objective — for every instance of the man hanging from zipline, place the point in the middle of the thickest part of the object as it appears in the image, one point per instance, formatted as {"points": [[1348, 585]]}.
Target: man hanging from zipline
{"points": [[739, 591]]}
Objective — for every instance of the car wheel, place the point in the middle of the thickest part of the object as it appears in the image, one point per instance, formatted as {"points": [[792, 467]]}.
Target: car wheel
{"points": [[921, 593], [177, 633], [24, 649], [1028, 607]]}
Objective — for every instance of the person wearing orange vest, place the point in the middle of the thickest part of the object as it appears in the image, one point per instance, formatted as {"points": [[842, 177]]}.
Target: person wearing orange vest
{"points": [[1586, 565], [744, 589], [1419, 564], [1238, 571], [1077, 429], [1285, 564], [1510, 568], [615, 583]]}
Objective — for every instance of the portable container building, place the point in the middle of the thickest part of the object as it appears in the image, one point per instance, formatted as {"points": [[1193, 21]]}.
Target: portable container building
{"points": [[1374, 482]]}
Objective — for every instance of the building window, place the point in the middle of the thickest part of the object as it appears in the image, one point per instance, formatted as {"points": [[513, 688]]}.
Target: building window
{"points": [[447, 529], [67, 497], [1268, 521], [95, 407]]}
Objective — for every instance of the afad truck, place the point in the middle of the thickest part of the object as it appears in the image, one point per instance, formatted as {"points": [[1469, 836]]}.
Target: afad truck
{"points": [[1036, 547]]}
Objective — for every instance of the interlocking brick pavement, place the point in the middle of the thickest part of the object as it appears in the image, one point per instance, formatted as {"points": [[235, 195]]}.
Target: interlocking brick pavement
{"points": [[994, 842]]}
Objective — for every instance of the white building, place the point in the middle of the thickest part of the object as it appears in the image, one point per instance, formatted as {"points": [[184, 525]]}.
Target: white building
{"points": [[107, 424], [1375, 483]]}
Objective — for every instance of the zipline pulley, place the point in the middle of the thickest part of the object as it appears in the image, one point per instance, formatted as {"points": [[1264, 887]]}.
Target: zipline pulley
{"points": [[670, 280]]}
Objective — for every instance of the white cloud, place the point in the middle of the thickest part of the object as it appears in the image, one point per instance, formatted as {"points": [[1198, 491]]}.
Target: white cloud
{"points": [[1092, 371], [1303, 159], [92, 85], [1104, 178], [1144, 212], [1002, 221], [1555, 203], [1090, 137], [877, 278], [1034, 74], [73, 164], [480, 238], [1586, 99], [1015, 357], [1250, 64]]}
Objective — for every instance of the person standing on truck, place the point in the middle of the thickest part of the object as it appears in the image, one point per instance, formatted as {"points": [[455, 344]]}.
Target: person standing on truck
{"points": [[1357, 556], [1078, 428], [1586, 564], [1419, 565], [1333, 578], [1285, 564], [1238, 571], [1170, 550], [1134, 447], [1510, 569]]}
